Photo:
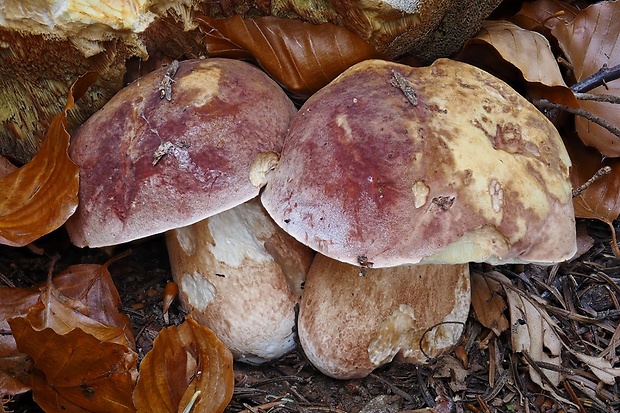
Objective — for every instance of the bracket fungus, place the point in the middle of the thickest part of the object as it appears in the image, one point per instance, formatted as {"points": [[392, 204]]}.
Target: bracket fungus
{"points": [[174, 148], [392, 166]]}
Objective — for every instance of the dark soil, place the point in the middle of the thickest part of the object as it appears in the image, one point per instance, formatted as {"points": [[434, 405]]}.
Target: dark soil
{"points": [[449, 384]]}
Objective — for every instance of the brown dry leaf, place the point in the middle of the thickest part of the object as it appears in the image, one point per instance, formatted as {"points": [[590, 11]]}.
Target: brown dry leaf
{"points": [[532, 331], [40, 196], [99, 296], [81, 346], [91, 284], [185, 360], [488, 305], [6, 167], [15, 367], [601, 367], [301, 56], [450, 367], [601, 200], [589, 42], [15, 370], [519, 53], [544, 14], [76, 372]]}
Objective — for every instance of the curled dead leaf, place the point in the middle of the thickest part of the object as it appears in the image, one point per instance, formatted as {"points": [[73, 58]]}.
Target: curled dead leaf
{"points": [[185, 360], [601, 367], [532, 332], [488, 305], [76, 372], [301, 56], [80, 300], [589, 42], [512, 60], [40, 196], [600, 200], [540, 15]]}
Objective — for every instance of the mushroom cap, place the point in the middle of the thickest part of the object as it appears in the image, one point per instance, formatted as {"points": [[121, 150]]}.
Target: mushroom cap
{"points": [[350, 324], [148, 165], [391, 164], [241, 275]]}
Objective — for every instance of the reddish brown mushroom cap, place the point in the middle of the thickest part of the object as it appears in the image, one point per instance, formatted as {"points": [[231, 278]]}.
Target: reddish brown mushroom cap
{"points": [[149, 164], [391, 164]]}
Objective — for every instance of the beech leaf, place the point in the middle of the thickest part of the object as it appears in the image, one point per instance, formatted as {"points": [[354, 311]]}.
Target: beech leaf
{"points": [[185, 360], [600, 200], [525, 54], [488, 305], [81, 345], [544, 14], [77, 372], [40, 196], [589, 42], [301, 56]]}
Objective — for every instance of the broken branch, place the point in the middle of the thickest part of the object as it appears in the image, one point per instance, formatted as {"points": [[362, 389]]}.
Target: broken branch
{"points": [[544, 103], [604, 75]]}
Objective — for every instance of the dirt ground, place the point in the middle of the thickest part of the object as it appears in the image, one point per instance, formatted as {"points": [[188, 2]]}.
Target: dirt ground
{"points": [[450, 384]]}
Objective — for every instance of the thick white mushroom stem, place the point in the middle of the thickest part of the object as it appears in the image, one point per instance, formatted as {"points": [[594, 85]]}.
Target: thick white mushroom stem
{"points": [[350, 324], [241, 275]]}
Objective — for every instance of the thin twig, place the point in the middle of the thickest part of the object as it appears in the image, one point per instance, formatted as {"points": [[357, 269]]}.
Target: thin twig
{"points": [[544, 103], [573, 396], [6, 281], [540, 371], [605, 170], [598, 97], [606, 74], [426, 395], [395, 389]]}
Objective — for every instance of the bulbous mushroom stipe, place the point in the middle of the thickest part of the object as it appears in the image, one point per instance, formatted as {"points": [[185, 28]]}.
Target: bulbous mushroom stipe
{"points": [[395, 166], [176, 147]]}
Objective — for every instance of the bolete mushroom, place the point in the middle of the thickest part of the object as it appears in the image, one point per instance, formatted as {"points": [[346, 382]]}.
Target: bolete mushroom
{"points": [[175, 147], [391, 165]]}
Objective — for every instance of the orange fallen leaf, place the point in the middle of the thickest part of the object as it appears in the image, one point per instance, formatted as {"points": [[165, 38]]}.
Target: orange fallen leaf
{"points": [[40, 196], [15, 367], [301, 56], [185, 360], [81, 345], [76, 372], [589, 42]]}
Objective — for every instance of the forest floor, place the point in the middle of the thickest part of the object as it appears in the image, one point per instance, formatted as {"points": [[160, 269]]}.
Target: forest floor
{"points": [[483, 375]]}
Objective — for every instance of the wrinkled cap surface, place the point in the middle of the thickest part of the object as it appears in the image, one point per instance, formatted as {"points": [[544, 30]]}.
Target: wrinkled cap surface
{"points": [[391, 164], [148, 165]]}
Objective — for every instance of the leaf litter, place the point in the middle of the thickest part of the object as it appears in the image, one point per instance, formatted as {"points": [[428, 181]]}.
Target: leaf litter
{"points": [[541, 339], [579, 298]]}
